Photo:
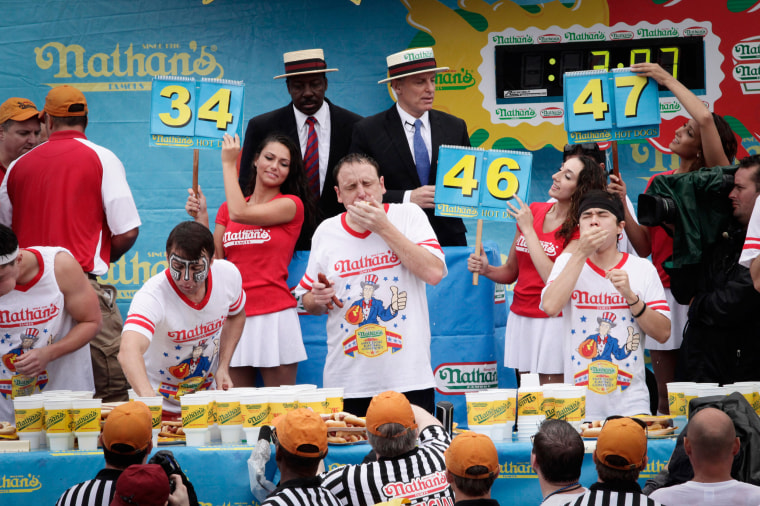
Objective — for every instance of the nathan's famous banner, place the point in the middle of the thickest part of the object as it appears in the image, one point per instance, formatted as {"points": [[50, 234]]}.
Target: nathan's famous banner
{"points": [[506, 59]]}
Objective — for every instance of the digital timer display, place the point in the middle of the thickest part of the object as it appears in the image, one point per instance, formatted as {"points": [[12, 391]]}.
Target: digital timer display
{"points": [[533, 72]]}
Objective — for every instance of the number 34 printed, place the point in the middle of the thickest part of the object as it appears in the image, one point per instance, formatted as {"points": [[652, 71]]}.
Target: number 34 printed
{"points": [[209, 108]]}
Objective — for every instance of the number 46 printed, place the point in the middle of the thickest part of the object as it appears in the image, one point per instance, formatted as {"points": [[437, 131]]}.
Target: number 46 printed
{"points": [[475, 183]]}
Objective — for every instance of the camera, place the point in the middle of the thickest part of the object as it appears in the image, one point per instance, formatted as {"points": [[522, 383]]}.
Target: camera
{"points": [[168, 463], [690, 193]]}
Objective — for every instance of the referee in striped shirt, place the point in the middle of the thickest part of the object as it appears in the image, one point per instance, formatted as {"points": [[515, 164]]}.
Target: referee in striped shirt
{"points": [[404, 468], [126, 440], [300, 437]]}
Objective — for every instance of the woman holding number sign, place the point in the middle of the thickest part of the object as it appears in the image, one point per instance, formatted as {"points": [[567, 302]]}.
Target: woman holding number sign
{"points": [[258, 233], [706, 140], [544, 230]]}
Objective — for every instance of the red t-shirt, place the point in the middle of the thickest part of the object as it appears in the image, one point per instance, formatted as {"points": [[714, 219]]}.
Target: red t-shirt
{"points": [[527, 292], [262, 254]]}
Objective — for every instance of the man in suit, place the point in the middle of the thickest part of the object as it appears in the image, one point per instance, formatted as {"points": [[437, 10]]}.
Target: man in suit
{"points": [[309, 115], [405, 139]]}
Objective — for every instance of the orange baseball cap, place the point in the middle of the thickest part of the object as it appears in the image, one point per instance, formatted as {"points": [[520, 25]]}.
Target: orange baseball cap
{"points": [[301, 427], [65, 101], [389, 407], [129, 424], [472, 449], [17, 109], [624, 438]]}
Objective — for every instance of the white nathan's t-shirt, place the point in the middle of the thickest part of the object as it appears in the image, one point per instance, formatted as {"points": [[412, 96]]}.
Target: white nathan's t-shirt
{"points": [[184, 336], [597, 359], [691, 493], [32, 316], [370, 347], [751, 247]]}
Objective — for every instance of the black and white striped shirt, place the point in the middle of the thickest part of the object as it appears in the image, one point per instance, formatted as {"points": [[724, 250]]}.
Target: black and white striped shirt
{"points": [[419, 475], [613, 494], [96, 492], [301, 492]]}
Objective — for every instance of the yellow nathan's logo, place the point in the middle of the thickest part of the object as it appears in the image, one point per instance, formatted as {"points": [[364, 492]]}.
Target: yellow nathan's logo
{"points": [[602, 377], [144, 60], [372, 340], [14, 484], [511, 469]]}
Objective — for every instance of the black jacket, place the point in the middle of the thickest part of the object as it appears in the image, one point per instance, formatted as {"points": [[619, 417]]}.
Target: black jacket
{"points": [[383, 138], [722, 337]]}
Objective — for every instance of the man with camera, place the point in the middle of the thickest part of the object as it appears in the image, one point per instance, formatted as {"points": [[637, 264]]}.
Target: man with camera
{"points": [[720, 342]]}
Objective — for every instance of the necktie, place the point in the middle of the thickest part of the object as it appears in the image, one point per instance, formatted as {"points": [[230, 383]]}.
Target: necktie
{"points": [[421, 158], [311, 157]]}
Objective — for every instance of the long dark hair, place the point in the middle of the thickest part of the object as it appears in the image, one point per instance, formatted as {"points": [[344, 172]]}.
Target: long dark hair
{"points": [[727, 139], [592, 177], [295, 183]]}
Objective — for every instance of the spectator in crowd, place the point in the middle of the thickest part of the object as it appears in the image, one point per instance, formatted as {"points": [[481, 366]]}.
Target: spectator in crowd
{"points": [[72, 193], [184, 323], [393, 427], [472, 465], [19, 130], [719, 342], [557, 458], [398, 253], [405, 139], [705, 140], [321, 130], [300, 438], [258, 234], [596, 283], [147, 485], [43, 348], [126, 440], [545, 229], [711, 445], [620, 455]]}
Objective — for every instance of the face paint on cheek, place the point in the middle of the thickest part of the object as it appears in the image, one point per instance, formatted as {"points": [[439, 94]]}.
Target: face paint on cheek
{"points": [[201, 275], [198, 277]]}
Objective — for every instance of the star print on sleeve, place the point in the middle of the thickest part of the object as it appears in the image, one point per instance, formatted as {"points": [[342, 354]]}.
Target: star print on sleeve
{"points": [[395, 279], [178, 347], [583, 319], [166, 354], [161, 371]]}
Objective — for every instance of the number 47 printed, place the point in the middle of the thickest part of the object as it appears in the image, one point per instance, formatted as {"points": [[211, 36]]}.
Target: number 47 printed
{"points": [[616, 105]]}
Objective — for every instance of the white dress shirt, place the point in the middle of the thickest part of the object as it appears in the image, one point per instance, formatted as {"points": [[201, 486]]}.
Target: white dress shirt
{"points": [[407, 121], [323, 136]]}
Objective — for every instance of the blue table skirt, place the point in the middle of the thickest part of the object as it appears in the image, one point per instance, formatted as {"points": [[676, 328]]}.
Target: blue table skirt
{"points": [[220, 473]]}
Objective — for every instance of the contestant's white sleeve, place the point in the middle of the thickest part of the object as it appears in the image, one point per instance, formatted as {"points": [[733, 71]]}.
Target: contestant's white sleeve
{"points": [[417, 229], [118, 203], [145, 312], [751, 243], [654, 293]]}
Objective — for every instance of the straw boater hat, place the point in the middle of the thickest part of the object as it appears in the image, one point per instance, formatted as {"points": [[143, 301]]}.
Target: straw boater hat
{"points": [[410, 62], [306, 61]]}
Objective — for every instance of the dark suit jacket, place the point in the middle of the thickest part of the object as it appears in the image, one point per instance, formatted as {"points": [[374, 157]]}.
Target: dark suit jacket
{"points": [[383, 138], [283, 120]]}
